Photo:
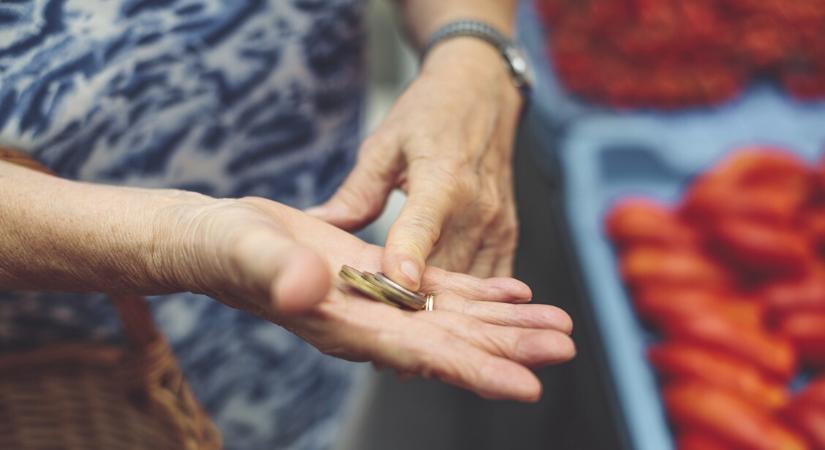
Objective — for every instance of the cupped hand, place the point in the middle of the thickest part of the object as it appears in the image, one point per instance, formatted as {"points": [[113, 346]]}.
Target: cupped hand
{"points": [[282, 264], [447, 143]]}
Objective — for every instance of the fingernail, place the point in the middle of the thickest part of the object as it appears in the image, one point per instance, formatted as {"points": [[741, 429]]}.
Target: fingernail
{"points": [[410, 270]]}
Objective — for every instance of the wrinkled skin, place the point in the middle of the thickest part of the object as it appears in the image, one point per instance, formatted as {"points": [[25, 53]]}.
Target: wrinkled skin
{"points": [[447, 143], [282, 264]]}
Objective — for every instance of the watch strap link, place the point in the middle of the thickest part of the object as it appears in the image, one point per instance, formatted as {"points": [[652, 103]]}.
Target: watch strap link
{"points": [[522, 77]]}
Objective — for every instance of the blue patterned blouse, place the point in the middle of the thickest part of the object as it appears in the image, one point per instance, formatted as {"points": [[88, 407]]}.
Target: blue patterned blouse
{"points": [[224, 97]]}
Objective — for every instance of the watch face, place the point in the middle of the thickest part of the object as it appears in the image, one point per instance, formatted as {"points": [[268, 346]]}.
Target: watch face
{"points": [[519, 65]]}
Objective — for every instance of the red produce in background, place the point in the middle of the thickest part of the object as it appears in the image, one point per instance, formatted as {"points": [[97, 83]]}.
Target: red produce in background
{"points": [[771, 353], [760, 248], [644, 222], [733, 281], [685, 361], [611, 51], [665, 305], [684, 267], [805, 293], [810, 421], [699, 441], [806, 330], [761, 184], [700, 407]]}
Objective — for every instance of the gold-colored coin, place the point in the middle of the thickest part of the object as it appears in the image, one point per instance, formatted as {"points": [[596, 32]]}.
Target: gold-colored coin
{"points": [[397, 292], [378, 287], [355, 279]]}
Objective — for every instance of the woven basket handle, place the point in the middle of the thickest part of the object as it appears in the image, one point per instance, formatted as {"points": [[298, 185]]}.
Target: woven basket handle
{"points": [[132, 310]]}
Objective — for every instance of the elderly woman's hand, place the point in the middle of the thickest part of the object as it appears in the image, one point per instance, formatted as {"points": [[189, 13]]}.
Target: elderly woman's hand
{"points": [[280, 263], [448, 144]]}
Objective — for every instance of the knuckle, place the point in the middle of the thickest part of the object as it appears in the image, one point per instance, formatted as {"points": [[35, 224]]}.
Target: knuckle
{"points": [[459, 182], [509, 233], [351, 196], [355, 197], [467, 183], [489, 207], [374, 143]]}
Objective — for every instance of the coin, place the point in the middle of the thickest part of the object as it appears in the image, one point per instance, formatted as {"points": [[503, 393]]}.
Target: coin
{"points": [[379, 287], [355, 279], [409, 298]]}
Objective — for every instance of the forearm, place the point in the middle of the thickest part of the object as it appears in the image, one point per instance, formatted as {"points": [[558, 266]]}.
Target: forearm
{"points": [[57, 234], [466, 61], [423, 17]]}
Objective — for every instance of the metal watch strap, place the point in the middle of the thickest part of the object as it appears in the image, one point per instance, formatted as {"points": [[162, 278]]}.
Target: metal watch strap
{"points": [[516, 62]]}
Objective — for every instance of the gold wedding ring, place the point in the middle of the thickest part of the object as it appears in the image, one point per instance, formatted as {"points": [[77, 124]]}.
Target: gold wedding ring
{"points": [[379, 287]]}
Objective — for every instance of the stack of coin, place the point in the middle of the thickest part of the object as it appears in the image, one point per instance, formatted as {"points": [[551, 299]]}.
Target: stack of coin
{"points": [[380, 288]]}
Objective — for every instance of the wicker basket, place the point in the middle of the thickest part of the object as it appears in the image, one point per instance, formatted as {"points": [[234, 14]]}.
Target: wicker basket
{"points": [[101, 397]]}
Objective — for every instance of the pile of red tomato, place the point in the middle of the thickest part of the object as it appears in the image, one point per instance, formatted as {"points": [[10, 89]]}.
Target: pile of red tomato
{"points": [[733, 280], [677, 53]]}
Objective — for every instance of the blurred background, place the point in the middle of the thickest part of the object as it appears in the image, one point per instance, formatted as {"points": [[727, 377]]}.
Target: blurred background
{"points": [[671, 196], [388, 413]]}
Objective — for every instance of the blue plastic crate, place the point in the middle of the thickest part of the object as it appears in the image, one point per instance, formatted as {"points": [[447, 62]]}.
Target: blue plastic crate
{"points": [[606, 156]]}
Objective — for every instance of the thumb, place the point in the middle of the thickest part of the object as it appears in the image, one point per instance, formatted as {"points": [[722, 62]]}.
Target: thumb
{"points": [[362, 196], [287, 277]]}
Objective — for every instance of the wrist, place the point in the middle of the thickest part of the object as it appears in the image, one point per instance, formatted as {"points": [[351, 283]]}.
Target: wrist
{"points": [[472, 62], [178, 253]]}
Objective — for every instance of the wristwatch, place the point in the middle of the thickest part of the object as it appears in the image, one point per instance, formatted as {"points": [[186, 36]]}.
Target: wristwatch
{"points": [[512, 54]]}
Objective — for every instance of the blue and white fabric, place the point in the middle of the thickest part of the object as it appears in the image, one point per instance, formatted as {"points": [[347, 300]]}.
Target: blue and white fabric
{"points": [[224, 97]]}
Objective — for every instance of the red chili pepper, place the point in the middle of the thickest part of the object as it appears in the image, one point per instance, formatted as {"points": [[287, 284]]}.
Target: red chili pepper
{"points": [[764, 41], [762, 248], [664, 305], [687, 361], [781, 38], [806, 330], [804, 85], [760, 183], [640, 221], [813, 223], [693, 440], [802, 294], [809, 420], [700, 407], [710, 199], [651, 265], [764, 166], [773, 354]]}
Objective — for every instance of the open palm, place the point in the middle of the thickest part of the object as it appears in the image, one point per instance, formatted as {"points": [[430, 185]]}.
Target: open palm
{"points": [[482, 334]]}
